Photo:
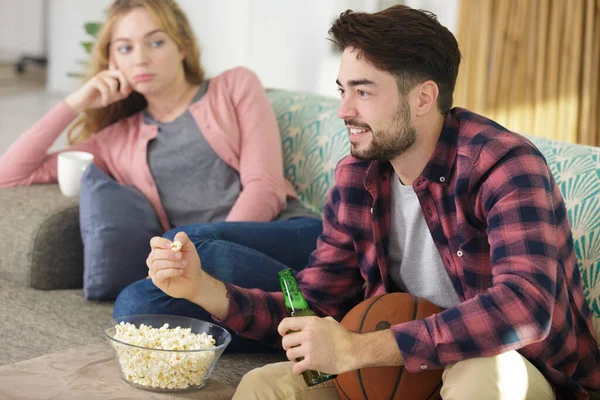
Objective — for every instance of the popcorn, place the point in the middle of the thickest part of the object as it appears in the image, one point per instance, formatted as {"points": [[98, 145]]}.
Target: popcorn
{"points": [[176, 246], [163, 369]]}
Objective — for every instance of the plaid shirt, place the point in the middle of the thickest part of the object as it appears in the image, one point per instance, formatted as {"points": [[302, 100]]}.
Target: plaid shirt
{"points": [[498, 220]]}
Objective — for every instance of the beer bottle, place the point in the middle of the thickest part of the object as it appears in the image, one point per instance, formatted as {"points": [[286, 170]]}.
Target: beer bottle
{"points": [[296, 306]]}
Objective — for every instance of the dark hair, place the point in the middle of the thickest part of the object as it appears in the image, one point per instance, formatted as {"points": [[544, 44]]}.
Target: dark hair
{"points": [[408, 43]]}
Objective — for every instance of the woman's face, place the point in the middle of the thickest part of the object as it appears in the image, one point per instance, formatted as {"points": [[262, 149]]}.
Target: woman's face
{"points": [[149, 58]]}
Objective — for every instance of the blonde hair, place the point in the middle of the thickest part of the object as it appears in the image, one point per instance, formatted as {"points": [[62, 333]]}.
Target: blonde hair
{"points": [[173, 21]]}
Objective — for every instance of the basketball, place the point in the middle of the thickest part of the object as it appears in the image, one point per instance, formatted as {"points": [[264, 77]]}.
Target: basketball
{"points": [[377, 313]]}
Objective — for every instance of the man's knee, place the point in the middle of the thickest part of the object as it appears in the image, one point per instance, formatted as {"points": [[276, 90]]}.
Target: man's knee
{"points": [[262, 383], [506, 376], [276, 382]]}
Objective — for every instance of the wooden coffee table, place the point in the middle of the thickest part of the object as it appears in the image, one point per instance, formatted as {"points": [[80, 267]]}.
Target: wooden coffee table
{"points": [[88, 372]]}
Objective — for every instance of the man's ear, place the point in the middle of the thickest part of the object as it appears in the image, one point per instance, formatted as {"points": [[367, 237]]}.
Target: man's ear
{"points": [[427, 96]]}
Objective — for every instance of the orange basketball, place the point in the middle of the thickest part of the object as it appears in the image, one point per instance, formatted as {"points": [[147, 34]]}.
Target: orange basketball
{"points": [[377, 313]]}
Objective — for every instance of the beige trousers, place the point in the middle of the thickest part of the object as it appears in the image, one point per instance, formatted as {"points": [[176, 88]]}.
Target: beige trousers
{"points": [[507, 376]]}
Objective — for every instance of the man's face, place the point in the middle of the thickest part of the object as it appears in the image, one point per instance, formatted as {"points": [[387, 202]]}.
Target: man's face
{"points": [[377, 116]]}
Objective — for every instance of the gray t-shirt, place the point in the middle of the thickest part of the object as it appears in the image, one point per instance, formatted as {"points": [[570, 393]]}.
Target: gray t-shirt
{"points": [[415, 264], [195, 185]]}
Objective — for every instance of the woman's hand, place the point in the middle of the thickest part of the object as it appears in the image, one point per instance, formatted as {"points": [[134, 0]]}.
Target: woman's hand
{"points": [[103, 89], [177, 273]]}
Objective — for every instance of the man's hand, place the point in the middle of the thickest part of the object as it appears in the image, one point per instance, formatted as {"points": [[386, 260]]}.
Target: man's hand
{"points": [[325, 344], [329, 347], [177, 273]]}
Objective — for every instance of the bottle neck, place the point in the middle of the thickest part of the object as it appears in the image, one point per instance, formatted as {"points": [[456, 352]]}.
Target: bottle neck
{"points": [[294, 300]]}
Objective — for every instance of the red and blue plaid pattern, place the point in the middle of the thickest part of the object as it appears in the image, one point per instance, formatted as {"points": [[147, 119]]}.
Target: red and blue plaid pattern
{"points": [[499, 222]]}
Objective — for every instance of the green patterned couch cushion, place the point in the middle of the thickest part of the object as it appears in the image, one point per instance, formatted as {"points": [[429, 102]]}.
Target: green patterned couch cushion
{"points": [[315, 139], [576, 169]]}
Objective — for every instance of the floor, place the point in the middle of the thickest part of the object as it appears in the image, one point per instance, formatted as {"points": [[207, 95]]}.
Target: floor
{"points": [[32, 79], [23, 100], [37, 322]]}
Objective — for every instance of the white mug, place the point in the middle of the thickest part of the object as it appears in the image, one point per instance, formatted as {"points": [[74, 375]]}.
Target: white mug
{"points": [[71, 165]]}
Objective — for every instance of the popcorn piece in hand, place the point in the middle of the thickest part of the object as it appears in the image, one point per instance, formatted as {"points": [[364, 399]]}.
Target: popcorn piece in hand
{"points": [[176, 246]]}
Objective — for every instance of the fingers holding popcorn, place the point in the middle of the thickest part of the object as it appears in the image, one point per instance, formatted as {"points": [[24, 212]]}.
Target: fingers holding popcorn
{"points": [[176, 246], [174, 266], [162, 256], [159, 264], [164, 274], [158, 242], [185, 244]]}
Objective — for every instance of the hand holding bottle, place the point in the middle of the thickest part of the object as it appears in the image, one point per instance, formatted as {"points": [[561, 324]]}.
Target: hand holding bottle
{"points": [[323, 344], [301, 335]]}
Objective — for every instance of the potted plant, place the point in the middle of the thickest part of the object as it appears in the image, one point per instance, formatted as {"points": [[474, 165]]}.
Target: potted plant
{"points": [[92, 29]]}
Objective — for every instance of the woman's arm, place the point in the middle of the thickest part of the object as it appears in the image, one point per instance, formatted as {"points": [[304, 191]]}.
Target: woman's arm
{"points": [[27, 161], [261, 160]]}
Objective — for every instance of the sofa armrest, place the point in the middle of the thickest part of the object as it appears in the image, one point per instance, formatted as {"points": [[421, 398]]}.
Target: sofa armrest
{"points": [[39, 228]]}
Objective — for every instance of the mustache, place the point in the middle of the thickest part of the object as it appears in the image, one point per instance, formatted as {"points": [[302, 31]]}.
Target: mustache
{"points": [[356, 124]]}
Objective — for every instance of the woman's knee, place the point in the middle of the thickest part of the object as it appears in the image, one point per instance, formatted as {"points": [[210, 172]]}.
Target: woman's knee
{"points": [[135, 299], [196, 232]]}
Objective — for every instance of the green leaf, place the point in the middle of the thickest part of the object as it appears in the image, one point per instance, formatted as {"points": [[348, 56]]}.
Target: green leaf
{"points": [[88, 46], [92, 28]]}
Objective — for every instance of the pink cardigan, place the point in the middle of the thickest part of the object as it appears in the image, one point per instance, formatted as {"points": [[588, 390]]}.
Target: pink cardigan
{"points": [[234, 115]]}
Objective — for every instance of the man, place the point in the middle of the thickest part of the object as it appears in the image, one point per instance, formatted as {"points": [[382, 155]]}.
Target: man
{"points": [[435, 201]]}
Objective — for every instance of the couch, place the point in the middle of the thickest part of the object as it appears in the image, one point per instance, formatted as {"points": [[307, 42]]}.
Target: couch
{"points": [[43, 310]]}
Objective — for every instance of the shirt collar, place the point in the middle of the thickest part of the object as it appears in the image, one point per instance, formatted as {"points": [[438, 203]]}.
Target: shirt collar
{"points": [[441, 163]]}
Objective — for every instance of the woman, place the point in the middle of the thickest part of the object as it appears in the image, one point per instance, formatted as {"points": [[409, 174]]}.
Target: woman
{"points": [[205, 153]]}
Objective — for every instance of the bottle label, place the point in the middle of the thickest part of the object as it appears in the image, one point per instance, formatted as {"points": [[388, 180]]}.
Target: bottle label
{"points": [[294, 299]]}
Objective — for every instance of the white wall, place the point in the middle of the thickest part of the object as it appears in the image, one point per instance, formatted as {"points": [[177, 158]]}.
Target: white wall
{"points": [[446, 10], [284, 42], [65, 32], [22, 29]]}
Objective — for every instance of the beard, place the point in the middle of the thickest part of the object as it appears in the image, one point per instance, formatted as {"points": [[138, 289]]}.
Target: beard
{"points": [[390, 141]]}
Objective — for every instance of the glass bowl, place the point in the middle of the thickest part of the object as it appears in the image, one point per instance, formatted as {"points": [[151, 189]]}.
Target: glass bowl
{"points": [[166, 370]]}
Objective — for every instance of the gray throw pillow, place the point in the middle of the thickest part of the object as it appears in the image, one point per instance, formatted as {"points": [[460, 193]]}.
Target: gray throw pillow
{"points": [[117, 223]]}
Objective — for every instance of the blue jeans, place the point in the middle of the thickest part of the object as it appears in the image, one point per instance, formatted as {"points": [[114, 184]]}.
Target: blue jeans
{"points": [[247, 254]]}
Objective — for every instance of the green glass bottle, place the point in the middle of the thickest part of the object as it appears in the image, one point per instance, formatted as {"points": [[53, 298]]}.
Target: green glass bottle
{"points": [[296, 306]]}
